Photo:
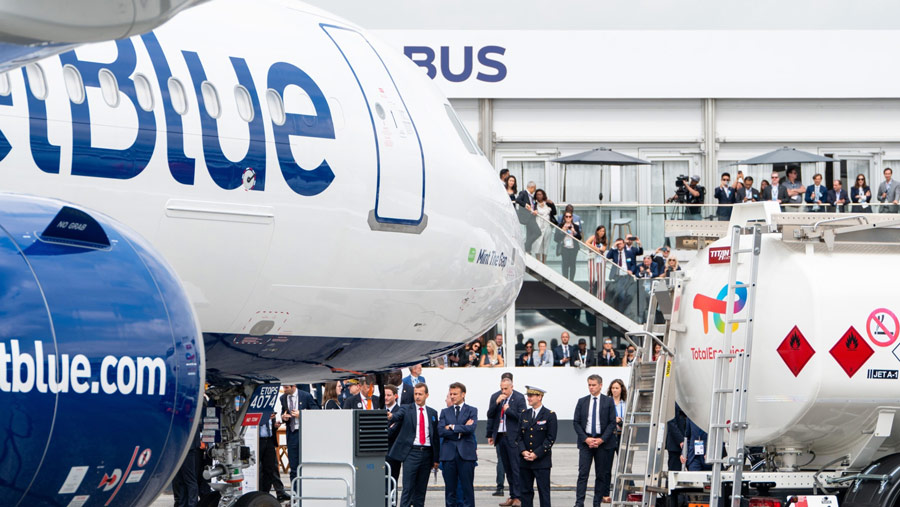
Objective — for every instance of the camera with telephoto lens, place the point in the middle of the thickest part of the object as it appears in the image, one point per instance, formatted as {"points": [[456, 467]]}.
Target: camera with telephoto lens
{"points": [[682, 196]]}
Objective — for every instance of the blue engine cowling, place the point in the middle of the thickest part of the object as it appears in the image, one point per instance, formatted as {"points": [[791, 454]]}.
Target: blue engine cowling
{"points": [[101, 360]]}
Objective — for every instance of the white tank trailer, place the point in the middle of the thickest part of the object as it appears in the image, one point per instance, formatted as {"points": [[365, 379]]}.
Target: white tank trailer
{"points": [[824, 392]]}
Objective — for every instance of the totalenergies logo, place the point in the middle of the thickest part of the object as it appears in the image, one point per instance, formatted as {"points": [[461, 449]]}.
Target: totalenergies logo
{"points": [[718, 307]]}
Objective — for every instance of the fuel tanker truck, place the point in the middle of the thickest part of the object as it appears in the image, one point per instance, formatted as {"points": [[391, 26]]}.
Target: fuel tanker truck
{"points": [[823, 392]]}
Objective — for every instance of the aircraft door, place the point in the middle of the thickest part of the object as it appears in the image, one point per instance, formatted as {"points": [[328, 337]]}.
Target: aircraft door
{"points": [[400, 162]]}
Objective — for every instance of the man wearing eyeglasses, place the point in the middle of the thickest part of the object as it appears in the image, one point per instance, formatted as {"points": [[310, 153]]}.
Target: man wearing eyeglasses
{"points": [[776, 191]]}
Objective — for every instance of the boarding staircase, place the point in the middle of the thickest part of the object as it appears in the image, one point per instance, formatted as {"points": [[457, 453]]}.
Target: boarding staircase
{"points": [[576, 294], [638, 469]]}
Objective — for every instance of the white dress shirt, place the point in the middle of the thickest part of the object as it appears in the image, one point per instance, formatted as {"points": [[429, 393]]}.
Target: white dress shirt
{"points": [[587, 427], [427, 426]]}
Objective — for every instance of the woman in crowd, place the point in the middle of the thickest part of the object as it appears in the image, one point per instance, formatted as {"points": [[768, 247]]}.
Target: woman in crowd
{"points": [[671, 267], [619, 395], [629, 356], [492, 358], [860, 194], [546, 211], [567, 235], [526, 359], [511, 188], [475, 352], [332, 391], [598, 241], [764, 184], [657, 350]]}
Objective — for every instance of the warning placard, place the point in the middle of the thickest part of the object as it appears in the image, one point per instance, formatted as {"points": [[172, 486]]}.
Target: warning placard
{"points": [[883, 327]]}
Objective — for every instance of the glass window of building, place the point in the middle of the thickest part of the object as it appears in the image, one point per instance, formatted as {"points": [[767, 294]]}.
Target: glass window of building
{"points": [[528, 170]]}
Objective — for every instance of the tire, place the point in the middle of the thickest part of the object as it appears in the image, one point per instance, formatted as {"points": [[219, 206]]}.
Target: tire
{"points": [[210, 500], [257, 499], [870, 493]]}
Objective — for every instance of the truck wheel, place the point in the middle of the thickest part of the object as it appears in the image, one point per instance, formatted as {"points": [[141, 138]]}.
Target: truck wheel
{"points": [[257, 499], [869, 493]]}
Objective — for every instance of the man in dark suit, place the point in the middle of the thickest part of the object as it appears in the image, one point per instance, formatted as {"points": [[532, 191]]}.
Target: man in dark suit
{"points": [[817, 195], [620, 257], [595, 422], [633, 248], [457, 429], [503, 413], [675, 439], [725, 196], [838, 197], [292, 402], [564, 354], [268, 458], [775, 191], [746, 192], [526, 210], [409, 382], [392, 407], [584, 358], [414, 428], [537, 433], [365, 400]]}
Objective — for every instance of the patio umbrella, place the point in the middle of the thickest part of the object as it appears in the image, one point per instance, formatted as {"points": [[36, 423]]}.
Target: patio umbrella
{"points": [[785, 155], [597, 156]]}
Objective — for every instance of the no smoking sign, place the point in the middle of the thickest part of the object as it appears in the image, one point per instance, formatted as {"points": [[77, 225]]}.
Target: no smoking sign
{"points": [[883, 327]]}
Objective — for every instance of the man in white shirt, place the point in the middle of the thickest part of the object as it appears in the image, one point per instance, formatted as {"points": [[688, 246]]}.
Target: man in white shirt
{"points": [[416, 444], [595, 422], [542, 356]]}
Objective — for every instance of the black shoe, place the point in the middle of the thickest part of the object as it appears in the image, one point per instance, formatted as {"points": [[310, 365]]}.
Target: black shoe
{"points": [[499, 492], [283, 497]]}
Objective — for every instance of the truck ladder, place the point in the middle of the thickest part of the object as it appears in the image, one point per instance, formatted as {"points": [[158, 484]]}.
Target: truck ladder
{"points": [[732, 381], [649, 406]]}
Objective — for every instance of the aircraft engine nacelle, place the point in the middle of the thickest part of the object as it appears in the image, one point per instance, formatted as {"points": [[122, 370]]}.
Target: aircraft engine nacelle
{"points": [[101, 363]]}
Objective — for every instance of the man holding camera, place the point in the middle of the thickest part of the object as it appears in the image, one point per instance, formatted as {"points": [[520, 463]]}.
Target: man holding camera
{"points": [[689, 193]]}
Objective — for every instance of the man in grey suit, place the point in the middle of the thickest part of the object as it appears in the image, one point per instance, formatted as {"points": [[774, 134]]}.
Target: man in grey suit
{"points": [[889, 192], [776, 191]]}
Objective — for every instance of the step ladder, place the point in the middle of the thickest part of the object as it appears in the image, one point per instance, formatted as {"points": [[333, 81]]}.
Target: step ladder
{"points": [[731, 374], [650, 405]]}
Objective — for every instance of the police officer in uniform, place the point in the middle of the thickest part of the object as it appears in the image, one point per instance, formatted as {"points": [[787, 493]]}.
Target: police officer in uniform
{"points": [[537, 432]]}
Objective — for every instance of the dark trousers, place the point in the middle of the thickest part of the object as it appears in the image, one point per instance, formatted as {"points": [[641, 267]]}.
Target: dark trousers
{"points": [[501, 468], [184, 484], [416, 468], [532, 229], [528, 477], [459, 472], [509, 456], [293, 445], [268, 463], [568, 262], [602, 460]]}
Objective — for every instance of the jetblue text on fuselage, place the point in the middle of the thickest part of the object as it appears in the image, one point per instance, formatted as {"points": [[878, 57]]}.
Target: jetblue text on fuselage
{"points": [[89, 160]]}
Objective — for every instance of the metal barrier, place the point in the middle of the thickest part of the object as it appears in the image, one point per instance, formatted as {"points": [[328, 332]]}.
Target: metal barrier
{"points": [[348, 498], [391, 496]]}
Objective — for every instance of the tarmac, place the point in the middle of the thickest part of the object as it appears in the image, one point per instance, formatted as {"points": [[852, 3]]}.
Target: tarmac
{"points": [[562, 481]]}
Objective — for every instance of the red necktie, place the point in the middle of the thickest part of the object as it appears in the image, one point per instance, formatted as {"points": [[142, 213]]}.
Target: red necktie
{"points": [[421, 426]]}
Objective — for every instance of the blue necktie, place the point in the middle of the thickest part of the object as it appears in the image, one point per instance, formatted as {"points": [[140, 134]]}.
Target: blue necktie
{"points": [[594, 418]]}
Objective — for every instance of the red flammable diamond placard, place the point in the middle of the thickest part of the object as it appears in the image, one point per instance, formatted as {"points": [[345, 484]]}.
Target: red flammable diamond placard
{"points": [[851, 351], [795, 351]]}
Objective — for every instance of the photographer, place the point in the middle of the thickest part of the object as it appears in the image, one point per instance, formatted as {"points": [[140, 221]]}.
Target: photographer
{"points": [[690, 193]]}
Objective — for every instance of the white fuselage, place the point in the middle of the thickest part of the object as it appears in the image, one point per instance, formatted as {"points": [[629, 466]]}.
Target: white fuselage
{"points": [[307, 255]]}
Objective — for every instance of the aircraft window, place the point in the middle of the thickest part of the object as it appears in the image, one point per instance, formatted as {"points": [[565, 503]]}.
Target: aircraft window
{"points": [[179, 99], [5, 88], [210, 99], [244, 103], [144, 92], [74, 84], [461, 131], [109, 87], [36, 80], [276, 107]]}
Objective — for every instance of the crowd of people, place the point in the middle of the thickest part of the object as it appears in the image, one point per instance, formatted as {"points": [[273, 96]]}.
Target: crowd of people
{"points": [[487, 352], [815, 197]]}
